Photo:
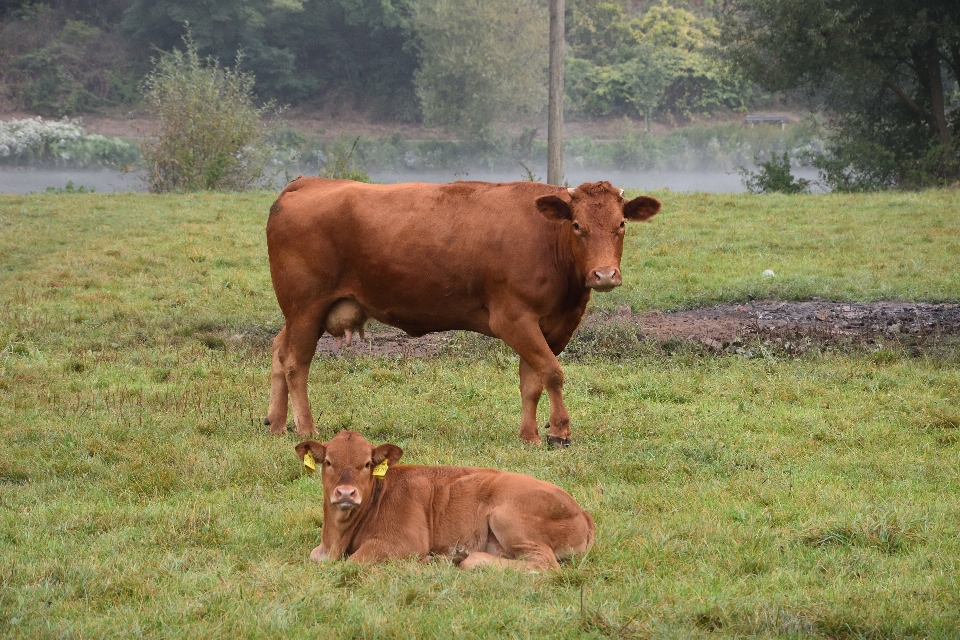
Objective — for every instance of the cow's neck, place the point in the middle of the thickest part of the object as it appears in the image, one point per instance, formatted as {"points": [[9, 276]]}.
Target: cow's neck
{"points": [[339, 535]]}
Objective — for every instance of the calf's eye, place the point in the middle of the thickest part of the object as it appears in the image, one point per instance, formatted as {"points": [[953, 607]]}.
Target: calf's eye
{"points": [[576, 226]]}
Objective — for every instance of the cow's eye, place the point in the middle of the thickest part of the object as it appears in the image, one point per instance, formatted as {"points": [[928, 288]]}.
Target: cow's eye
{"points": [[576, 226], [367, 466], [622, 224], [326, 463]]}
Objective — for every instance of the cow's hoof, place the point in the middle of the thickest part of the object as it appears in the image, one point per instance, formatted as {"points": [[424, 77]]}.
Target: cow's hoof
{"points": [[558, 443]]}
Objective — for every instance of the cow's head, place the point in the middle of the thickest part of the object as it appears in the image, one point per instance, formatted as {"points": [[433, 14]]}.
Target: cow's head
{"points": [[595, 213], [346, 466]]}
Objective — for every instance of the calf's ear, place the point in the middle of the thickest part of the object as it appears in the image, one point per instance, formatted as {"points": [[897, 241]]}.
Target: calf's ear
{"points": [[389, 452], [315, 448], [641, 208], [555, 207]]}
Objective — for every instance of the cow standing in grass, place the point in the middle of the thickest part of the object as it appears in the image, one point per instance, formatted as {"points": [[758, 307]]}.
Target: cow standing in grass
{"points": [[517, 261], [374, 510]]}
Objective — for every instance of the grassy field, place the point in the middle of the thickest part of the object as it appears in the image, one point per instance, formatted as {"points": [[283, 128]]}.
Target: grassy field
{"points": [[141, 496]]}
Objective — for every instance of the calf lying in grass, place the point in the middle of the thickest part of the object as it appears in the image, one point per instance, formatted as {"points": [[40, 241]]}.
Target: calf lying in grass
{"points": [[374, 510]]}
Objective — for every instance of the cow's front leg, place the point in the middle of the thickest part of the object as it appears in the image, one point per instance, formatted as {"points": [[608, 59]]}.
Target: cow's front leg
{"points": [[374, 550], [524, 336], [319, 554]]}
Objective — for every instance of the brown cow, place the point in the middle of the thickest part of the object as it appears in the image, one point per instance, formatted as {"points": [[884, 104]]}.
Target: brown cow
{"points": [[373, 510], [517, 261]]}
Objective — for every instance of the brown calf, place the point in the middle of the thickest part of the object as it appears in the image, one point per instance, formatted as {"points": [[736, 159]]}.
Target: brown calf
{"points": [[494, 517]]}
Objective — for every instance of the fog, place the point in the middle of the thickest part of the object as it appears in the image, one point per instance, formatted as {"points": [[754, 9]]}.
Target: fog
{"points": [[27, 180]]}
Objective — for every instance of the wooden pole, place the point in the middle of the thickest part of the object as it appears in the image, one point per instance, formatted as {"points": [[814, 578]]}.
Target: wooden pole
{"points": [[555, 105]]}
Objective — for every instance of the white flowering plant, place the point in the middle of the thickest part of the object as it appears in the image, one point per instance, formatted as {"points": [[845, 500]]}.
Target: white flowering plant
{"points": [[35, 141]]}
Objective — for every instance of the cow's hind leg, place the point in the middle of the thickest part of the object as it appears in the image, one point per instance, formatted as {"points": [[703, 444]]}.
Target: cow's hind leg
{"points": [[540, 558], [296, 355], [530, 391], [277, 410]]}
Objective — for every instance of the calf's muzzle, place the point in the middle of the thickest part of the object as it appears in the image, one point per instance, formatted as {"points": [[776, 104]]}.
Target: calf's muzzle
{"points": [[345, 497]]}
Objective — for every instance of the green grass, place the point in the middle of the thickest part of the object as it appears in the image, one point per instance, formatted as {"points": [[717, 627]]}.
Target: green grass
{"points": [[141, 495]]}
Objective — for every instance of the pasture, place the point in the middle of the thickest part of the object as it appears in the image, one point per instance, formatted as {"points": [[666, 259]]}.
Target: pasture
{"points": [[140, 494]]}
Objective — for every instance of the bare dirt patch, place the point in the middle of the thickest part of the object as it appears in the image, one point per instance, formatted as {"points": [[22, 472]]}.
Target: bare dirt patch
{"points": [[718, 327]]}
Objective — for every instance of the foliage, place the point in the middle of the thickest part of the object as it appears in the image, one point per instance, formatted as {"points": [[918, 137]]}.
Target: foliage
{"points": [[773, 176], [768, 497], [324, 51], [34, 141], [55, 66], [658, 62], [210, 133], [340, 163], [482, 61], [886, 73]]}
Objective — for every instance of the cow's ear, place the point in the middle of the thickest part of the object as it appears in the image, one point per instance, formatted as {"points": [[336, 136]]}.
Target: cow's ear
{"points": [[317, 450], [641, 208], [555, 207], [389, 452]]}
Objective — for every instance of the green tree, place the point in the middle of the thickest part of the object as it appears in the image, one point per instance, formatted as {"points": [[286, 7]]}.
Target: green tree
{"points": [[54, 65], [886, 73], [657, 62], [481, 61], [210, 133], [327, 52]]}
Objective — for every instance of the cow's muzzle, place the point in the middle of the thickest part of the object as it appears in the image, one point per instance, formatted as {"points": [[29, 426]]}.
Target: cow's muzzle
{"points": [[345, 497], [604, 279]]}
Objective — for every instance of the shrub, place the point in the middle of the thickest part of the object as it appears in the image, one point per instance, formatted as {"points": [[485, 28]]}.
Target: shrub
{"points": [[210, 133], [774, 176]]}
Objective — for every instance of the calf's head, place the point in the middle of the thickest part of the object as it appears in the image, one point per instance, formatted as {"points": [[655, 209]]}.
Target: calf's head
{"points": [[346, 464], [596, 214]]}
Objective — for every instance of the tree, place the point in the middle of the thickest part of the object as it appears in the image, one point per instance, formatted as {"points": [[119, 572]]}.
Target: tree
{"points": [[326, 51], [658, 61], [885, 72], [481, 61]]}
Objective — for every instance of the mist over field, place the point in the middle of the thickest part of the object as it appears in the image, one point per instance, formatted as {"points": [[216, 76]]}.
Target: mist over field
{"points": [[35, 180]]}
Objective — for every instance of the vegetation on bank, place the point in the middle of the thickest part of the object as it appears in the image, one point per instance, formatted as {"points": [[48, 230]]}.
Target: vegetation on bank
{"points": [[770, 496], [36, 142]]}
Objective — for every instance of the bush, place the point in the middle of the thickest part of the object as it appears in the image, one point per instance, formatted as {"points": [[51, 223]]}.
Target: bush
{"points": [[211, 135], [774, 176]]}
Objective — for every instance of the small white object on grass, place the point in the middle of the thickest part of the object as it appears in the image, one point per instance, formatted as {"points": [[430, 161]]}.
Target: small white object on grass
{"points": [[769, 274]]}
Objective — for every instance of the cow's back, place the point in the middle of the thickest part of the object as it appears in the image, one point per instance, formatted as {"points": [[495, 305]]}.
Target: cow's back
{"points": [[422, 257]]}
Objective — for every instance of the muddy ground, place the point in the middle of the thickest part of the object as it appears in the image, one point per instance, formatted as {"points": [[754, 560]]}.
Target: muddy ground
{"points": [[719, 328]]}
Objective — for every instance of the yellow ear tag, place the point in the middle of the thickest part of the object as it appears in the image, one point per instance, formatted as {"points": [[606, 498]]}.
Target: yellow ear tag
{"points": [[309, 463], [380, 470]]}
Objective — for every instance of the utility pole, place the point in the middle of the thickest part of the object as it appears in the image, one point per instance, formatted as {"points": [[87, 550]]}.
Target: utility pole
{"points": [[555, 105]]}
